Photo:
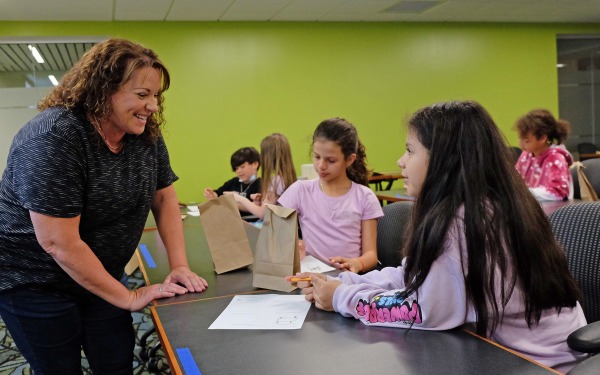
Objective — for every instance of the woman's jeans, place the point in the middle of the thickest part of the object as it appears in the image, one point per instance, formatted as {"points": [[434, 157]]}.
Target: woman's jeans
{"points": [[49, 331]]}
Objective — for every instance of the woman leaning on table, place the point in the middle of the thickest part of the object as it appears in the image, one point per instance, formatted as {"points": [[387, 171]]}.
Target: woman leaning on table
{"points": [[80, 180]]}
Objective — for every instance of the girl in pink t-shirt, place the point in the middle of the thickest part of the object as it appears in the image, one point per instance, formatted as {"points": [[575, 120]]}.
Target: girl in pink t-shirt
{"points": [[543, 164], [338, 212]]}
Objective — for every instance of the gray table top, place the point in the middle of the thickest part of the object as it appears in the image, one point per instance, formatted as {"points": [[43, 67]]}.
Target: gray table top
{"points": [[327, 343]]}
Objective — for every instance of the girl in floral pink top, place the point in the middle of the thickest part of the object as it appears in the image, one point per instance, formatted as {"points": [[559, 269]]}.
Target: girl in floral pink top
{"points": [[543, 164]]}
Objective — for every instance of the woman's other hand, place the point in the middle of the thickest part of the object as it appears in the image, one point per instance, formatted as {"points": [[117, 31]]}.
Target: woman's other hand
{"points": [[190, 280], [141, 297]]}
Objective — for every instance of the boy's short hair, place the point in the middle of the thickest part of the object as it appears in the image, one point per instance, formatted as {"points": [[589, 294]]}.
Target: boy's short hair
{"points": [[244, 154]]}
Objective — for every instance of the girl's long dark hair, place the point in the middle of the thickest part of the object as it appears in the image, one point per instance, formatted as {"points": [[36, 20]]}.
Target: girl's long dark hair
{"points": [[540, 122], [509, 240]]}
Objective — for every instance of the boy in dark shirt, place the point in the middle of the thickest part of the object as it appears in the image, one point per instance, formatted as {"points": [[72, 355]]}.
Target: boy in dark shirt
{"points": [[245, 163]]}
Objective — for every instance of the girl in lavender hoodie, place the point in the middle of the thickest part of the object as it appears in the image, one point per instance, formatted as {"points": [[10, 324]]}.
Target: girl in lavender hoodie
{"points": [[480, 251]]}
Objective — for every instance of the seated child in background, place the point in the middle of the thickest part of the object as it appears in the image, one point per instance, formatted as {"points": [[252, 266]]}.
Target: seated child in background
{"points": [[245, 163], [277, 174], [543, 164], [479, 249], [338, 211]]}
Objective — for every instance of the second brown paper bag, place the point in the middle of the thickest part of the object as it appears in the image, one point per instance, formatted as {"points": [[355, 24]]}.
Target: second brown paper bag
{"points": [[586, 189], [225, 234], [276, 254]]}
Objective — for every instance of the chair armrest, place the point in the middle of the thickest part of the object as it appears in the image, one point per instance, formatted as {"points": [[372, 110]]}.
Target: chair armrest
{"points": [[586, 339], [589, 366]]}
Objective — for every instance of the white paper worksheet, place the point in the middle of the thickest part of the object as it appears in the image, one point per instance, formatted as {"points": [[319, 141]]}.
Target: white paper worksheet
{"points": [[263, 311]]}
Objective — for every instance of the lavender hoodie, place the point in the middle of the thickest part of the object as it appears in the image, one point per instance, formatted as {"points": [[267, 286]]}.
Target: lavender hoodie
{"points": [[441, 303]]}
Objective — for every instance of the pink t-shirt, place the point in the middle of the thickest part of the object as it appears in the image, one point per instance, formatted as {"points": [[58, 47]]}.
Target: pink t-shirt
{"points": [[331, 226]]}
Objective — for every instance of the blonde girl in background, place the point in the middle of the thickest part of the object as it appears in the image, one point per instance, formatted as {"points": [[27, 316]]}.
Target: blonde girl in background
{"points": [[278, 173]]}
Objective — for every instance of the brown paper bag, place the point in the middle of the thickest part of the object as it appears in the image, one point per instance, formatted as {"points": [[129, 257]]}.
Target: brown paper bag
{"points": [[586, 189], [225, 234], [276, 254]]}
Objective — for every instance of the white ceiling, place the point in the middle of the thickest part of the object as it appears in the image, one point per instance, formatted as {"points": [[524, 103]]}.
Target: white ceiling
{"points": [[544, 11]]}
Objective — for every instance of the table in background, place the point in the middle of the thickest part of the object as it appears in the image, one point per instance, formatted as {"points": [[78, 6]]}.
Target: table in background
{"points": [[378, 178], [397, 195], [327, 341], [583, 157], [393, 195]]}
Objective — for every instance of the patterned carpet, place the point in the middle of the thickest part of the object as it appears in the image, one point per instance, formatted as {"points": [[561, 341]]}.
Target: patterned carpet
{"points": [[12, 363]]}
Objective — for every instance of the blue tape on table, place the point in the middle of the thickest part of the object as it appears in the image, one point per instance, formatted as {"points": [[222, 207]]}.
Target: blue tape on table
{"points": [[147, 256], [187, 361]]}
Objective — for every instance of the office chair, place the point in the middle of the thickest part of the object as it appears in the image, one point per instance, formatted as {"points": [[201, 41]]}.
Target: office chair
{"points": [[516, 151], [391, 230], [592, 172], [587, 148], [149, 356], [577, 229]]}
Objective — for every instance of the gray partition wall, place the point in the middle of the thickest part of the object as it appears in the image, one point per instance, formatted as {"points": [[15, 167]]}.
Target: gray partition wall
{"points": [[578, 66], [25, 78]]}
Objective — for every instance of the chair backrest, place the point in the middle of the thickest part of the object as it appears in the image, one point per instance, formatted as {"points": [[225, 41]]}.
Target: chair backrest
{"points": [[592, 172], [577, 229], [391, 231], [587, 148], [516, 151]]}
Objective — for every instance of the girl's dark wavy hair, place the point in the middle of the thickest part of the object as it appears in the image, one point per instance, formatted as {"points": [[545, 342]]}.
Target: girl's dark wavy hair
{"points": [[88, 86], [344, 134], [540, 122], [508, 237]]}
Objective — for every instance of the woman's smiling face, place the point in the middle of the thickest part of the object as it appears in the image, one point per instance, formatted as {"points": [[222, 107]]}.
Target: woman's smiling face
{"points": [[135, 101]]}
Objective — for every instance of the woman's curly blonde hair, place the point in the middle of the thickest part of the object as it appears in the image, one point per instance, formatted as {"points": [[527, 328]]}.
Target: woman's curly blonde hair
{"points": [[89, 85]]}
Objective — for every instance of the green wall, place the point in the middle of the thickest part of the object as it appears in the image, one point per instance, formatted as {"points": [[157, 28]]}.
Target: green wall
{"points": [[234, 83]]}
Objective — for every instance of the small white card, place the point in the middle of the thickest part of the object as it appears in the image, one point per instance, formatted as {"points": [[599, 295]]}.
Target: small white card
{"points": [[312, 264]]}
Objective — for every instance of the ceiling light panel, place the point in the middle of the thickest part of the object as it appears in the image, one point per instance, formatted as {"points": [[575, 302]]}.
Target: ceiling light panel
{"points": [[16, 57]]}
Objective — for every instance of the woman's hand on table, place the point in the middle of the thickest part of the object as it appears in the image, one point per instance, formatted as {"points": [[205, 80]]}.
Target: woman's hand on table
{"points": [[141, 297], [190, 280]]}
